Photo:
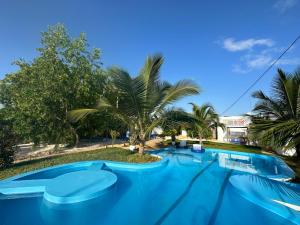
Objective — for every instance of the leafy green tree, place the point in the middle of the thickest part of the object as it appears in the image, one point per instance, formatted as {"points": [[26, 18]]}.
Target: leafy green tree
{"points": [[277, 119], [8, 141], [142, 100], [175, 121], [99, 125], [205, 119], [65, 75]]}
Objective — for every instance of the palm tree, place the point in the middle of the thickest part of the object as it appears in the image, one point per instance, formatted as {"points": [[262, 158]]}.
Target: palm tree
{"points": [[205, 119], [277, 119], [113, 134], [142, 100]]}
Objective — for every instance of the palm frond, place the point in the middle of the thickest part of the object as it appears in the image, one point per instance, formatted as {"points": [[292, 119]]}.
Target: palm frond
{"points": [[78, 114], [298, 104], [150, 70], [179, 90], [267, 106], [141, 101], [104, 103], [205, 118], [284, 91], [172, 118], [131, 91]]}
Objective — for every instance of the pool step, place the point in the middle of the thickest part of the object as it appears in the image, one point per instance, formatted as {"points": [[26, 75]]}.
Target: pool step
{"points": [[74, 186], [79, 186], [23, 187]]}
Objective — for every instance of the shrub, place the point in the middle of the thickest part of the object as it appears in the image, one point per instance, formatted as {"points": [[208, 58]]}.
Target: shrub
{"points": [[8, 142]]}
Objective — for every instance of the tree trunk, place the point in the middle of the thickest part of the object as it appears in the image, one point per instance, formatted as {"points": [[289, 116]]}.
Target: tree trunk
{"points": [[142, 139], [56, 147], [76, 139], [173, 138], [216, 132], [75, 136], [142, 147], [113, 140], [200, 138]]}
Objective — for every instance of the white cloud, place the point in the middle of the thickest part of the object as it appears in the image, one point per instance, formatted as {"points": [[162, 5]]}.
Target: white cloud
{"points": [[258, 61], [263, 60], [274, 50], [252, 62], [284, 5], [257, 58], [232, 45]]}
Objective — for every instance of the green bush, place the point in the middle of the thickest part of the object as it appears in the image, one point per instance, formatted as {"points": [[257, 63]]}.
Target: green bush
{"points": [[8, 142], [138, 158]]}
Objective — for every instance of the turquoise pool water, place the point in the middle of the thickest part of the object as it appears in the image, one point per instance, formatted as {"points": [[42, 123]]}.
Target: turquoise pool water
{"points": [[184, 188]]}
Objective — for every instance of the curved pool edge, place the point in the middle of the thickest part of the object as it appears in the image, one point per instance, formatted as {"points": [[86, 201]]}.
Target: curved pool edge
{"points": [[78, 164], [100, 182], [137, 166], [38, 181], [287, 175]]}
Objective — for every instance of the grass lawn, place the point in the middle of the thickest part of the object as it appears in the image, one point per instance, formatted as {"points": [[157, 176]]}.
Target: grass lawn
{"points": [[228, 146], [233, 147], [114, 154]]}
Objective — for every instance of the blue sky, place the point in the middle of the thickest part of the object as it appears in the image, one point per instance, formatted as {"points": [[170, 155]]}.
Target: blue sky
{"points": [[222, 45]]}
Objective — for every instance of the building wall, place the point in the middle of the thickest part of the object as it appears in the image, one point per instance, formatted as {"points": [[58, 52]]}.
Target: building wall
{"points": [[236, 126]]}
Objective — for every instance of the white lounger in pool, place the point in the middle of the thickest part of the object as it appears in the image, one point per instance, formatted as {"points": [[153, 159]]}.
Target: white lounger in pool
{"points": [[197, 146]]}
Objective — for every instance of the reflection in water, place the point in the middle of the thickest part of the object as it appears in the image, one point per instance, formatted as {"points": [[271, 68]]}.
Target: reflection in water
{"points": [[249, 163], [237, 162]]}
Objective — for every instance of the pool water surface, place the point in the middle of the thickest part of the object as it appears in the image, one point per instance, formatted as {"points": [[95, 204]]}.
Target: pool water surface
{"points": [[184, 188]]}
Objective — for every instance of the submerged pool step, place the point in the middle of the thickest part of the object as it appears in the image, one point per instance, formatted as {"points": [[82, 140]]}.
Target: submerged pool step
{"points": [[20, 187], [90, 182], [79, 186]]}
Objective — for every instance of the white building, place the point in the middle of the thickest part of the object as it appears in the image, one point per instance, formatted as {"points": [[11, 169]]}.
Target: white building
{"points": [[236, 128]]}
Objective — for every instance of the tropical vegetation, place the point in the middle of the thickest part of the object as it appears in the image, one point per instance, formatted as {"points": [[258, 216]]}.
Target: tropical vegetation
{"points": [[64, 95], [8, 141], [66, 74], [113, 134], [204, 121], [276, 121], [142, 101]]}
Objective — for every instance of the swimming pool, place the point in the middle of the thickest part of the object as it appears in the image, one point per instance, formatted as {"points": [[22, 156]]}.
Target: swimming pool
{"points": [[184, 188]]}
